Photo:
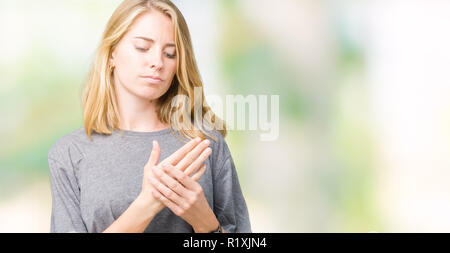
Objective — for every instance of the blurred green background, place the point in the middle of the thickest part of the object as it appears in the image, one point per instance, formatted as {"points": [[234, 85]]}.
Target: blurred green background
{"points": [[364, 142]]}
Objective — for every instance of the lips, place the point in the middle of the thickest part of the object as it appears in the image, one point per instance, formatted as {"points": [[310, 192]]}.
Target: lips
{"points": [[152, 79]]}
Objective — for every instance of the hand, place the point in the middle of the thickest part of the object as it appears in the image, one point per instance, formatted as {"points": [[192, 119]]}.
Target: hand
{"points": [[186, 159], [184, 196]]}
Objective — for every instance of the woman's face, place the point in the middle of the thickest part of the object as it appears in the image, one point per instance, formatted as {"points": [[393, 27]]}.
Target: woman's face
{"points": [[145, 59]]}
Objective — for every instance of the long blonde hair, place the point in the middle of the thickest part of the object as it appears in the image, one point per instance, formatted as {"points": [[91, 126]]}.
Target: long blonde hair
{"points": [[100, 108]]}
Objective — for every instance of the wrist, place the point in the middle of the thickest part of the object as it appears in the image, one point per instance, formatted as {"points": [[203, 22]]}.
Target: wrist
{"points": [[212, 226], [148, 208]]}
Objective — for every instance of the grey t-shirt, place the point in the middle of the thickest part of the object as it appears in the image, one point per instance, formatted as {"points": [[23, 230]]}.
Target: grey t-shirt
{"points": [[93, 183]]}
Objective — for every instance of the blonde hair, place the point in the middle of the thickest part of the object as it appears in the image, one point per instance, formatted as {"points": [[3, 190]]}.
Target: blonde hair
{"points": [[100, 109]]}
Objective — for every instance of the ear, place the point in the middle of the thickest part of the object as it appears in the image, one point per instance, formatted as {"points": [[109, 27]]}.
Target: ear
{"points": [[111, 60]]}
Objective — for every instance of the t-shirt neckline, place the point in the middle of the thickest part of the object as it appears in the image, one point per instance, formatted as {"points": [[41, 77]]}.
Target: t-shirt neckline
{"points": [[136, 133]]}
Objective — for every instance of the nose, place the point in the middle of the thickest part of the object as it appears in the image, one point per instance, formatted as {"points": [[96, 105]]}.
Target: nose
{"points": [[155, 60]]}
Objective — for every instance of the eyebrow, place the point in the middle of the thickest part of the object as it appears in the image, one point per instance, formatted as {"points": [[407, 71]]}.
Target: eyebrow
{"points": [[151, 40]]}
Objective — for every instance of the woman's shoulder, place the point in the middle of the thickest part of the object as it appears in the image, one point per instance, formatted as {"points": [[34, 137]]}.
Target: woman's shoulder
{"points": [[216, 134], [216, 138], [68, 147]]}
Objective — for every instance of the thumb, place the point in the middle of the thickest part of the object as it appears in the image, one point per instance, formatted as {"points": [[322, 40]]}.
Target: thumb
{"points": [[154, 156]]}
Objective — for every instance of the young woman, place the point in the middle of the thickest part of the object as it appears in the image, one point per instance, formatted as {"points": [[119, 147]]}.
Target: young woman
{"points": [[145, 161]]}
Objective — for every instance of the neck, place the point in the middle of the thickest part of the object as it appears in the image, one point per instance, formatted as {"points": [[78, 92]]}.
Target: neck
{"points": [[139, 114]]}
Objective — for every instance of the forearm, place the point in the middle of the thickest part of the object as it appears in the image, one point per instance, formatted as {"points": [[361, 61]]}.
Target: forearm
{"points": [[135, 219]]}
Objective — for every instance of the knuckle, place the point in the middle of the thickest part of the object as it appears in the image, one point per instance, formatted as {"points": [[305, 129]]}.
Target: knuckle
{"points": [[174, 171], [170, 171], [198, 190], [192, 200], [179, 177], [173, 185], [157, 171], [169, 168]]}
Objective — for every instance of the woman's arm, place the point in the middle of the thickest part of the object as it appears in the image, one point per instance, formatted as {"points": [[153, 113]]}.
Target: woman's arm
{"points": [[136, 218]]}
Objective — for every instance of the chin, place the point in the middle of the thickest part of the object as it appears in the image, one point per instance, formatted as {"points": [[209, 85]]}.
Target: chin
{"points": [[149, 94]]}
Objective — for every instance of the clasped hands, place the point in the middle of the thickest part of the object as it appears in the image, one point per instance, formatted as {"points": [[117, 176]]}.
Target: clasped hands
{"points": [[173, 183]]}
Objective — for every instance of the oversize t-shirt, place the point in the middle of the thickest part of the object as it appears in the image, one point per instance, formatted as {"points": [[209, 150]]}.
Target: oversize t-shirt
{"points": [[94, 182]]}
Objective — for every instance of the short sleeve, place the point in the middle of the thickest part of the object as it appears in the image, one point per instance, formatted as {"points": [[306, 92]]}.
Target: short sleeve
{"points": [[66, 215], [229, 204]]}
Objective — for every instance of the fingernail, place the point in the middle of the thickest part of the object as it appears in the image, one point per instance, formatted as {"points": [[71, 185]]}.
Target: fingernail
{"points": [[208, 150], [198, 139], [207, 142]]}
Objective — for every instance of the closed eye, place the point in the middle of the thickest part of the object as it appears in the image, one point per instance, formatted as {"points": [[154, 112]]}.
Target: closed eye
{"points": [[141, 49], [171, 56]]}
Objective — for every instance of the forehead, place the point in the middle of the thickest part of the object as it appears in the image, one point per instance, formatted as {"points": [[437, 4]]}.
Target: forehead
{"points": [[155, 25]]}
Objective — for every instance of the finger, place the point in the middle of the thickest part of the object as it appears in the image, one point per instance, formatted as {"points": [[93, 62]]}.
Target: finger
{"points": [[164, 190], [168, 181], [192, 156], [199, 173], [198, 162], [183, 178], [171, 205], [180, 153], [154, 156]]}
